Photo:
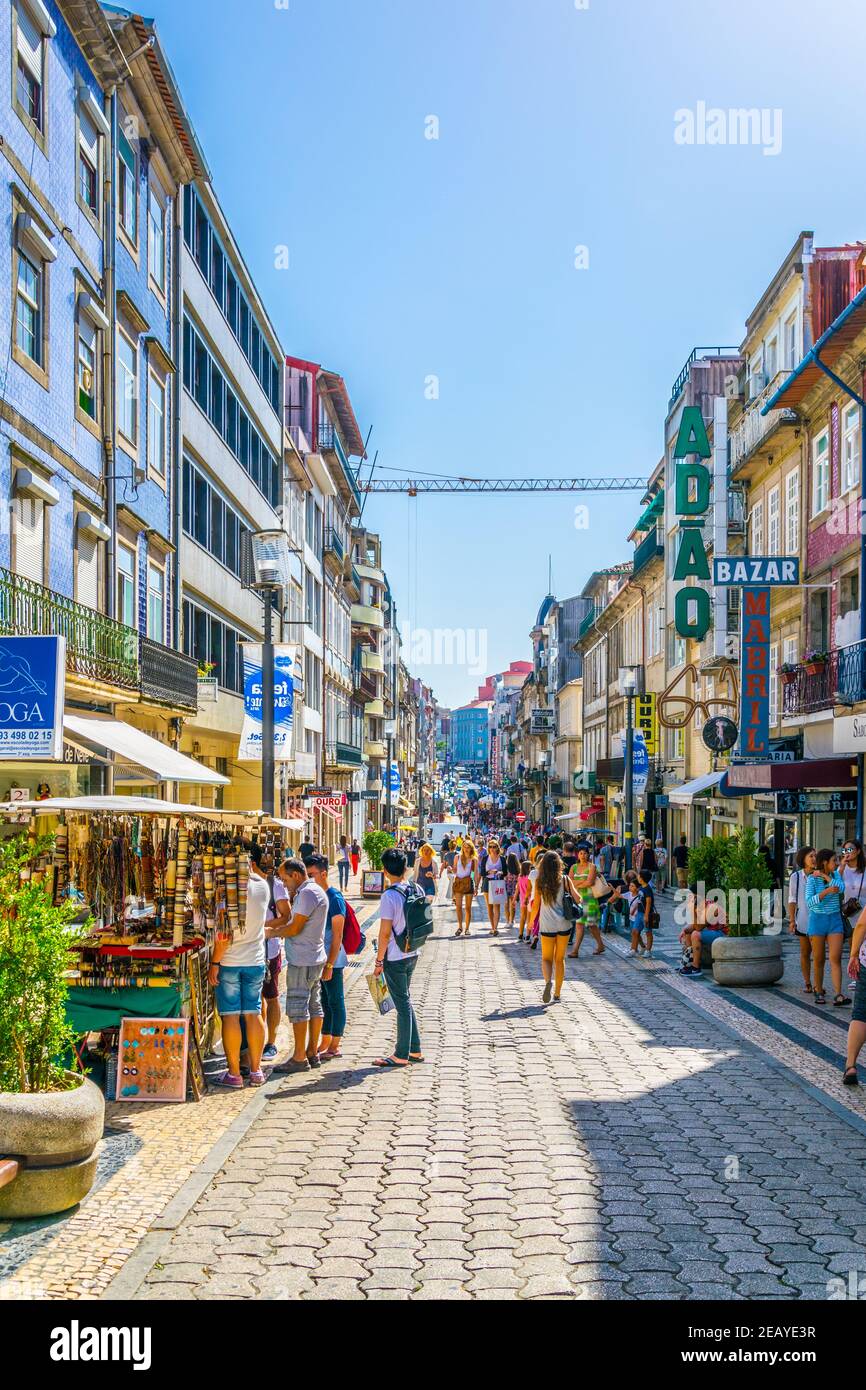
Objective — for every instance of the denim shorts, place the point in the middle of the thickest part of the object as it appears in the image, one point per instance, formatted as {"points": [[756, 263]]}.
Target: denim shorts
{"points": [[709, 935], [239, 990], [825, 924], [858, 1013]]}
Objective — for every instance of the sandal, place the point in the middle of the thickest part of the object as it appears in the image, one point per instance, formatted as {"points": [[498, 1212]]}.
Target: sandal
{"points": [[841, 1001], [850, 1077], [417, 1058], [459, 931], [387, 1062], [820, 997], [807, 989]]}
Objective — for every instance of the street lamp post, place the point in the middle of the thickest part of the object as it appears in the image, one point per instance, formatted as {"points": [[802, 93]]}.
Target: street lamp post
{"points": [[270, 550], [389, 740], [629, 680]]}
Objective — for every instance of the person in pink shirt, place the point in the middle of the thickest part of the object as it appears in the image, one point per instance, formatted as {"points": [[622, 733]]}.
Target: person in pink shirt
{"points": [[523, 886]]}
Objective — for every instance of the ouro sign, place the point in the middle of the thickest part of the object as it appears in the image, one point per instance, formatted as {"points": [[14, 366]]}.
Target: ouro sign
{"points": [[32, 691]]}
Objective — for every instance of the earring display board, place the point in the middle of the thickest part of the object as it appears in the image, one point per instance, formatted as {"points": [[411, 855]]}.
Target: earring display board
{"points": [[152, 1059]]}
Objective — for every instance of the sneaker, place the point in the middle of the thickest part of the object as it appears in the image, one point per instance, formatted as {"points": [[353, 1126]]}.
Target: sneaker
{"points": [[548, 990], [689, 970], [229, 1081], [291, 1066], [269, 1053], [313, 1061], [257, 1078], [632, 951]]}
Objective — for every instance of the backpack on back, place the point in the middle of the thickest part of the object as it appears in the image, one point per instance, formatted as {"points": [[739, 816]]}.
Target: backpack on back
{"points": [[418, 917], [353, 938]]}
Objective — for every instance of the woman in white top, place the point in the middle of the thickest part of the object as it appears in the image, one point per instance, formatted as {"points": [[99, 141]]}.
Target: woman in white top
{"points": [[494, 870], [343, 864], [237, 973], [798, 911], [554, 927], [853, 870], [465, 869]]}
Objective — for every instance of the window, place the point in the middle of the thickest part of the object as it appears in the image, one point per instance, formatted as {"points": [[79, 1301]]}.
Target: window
{"points": [[819, 620], [771, 357], [790, 651], [87, 367], [205, 638], [28, 533], [211, 521], [849, 591], [156, 235], [757, 523], [127, 389], [155, 602], [774, 521], [156, 426], [821, 473], [87, 571], [28, 309], [88, 163], [792, 513], [850, 447], [29, 68], [126, 585], [774, 683], [312, 681], [792, 354], [676, 647], [127, 187]]}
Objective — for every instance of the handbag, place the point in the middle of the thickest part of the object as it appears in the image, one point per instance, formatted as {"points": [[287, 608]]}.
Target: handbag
{"points": [[601, 888], [497, 893], [853, 905]]}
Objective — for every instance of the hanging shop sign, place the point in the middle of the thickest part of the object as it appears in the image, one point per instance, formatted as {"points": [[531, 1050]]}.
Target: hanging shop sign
{"points": [[541, 721], [719, 734], [32, 691], [692, 608], [755, 674], [792, 803], [285, 666], [781, 750], [639, 765], [394, 778], [752, 569], [329, 803], [646, 720]]}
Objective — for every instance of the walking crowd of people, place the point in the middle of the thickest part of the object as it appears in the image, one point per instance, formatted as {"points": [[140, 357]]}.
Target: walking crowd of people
{"points": [[299, 931]]}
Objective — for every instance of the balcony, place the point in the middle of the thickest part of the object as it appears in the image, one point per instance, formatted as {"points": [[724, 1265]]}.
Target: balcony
{"points": [[694, 355], [374, 748], [168, 677], [98, 649], [805, 692], [352, 580], [340, 755], [851, 674], [650, 548], [753, 430], [373, 661], [365, 615], [334, 554]]}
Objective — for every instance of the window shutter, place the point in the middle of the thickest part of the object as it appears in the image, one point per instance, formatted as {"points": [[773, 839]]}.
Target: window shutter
{"points": [[30, 43], [89, 137], [28, 519], [87, 579]]}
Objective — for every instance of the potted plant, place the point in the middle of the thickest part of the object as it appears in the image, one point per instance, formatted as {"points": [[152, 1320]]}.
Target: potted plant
{"points": [[207, 681], [374, 844], [51, 1118], [815, 661], [788, 673], [746, 956]]}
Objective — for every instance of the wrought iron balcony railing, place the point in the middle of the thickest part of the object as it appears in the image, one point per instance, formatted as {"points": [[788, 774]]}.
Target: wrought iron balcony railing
{"points": [[851, 674], [753, 428], [168, 676], [334, 544], [650, 548], [807, 689], [97, 647]]}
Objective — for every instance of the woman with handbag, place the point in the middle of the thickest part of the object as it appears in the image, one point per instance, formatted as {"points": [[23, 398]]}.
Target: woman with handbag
{"points": [[554, 900], [590, 886], [493, 885], [853, 870], [798, 911], [465, 869]]}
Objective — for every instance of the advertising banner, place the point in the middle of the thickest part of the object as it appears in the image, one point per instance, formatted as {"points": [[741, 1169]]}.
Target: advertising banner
{"points": [[755, 674], [286, 667], [32, 691]]}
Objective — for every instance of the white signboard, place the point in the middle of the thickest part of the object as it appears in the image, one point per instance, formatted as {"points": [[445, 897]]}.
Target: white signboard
{"points": [[849, 733]]}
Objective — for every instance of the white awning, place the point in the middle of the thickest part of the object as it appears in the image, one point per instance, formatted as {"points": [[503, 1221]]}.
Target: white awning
{"points": [[115, 805], [699, 786], [140, 750]]}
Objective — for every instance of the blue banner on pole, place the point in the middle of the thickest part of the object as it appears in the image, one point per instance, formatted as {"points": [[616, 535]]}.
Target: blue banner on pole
{"points": [[285, 668], [32, 691]]}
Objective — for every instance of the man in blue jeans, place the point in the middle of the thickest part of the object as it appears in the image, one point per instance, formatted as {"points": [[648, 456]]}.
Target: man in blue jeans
{"points": [[397, 966]]}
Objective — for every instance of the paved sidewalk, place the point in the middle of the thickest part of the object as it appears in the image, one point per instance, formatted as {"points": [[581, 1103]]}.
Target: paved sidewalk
{"points": [[627, 1143]]}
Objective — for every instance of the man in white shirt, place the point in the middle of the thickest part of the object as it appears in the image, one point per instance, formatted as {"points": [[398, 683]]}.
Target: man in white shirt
{"points": [[237, 973], [305, 960]]}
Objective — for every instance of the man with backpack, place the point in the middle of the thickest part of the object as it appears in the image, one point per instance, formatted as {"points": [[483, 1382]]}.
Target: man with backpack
{"points": [[333, 997], [405, 923]]}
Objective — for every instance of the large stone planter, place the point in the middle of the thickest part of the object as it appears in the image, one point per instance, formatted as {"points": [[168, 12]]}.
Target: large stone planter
{"points": [[55, 1136], [747, 960]]}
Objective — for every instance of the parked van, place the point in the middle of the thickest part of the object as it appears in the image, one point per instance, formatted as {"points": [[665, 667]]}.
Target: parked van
{"points": [[437, 832]]}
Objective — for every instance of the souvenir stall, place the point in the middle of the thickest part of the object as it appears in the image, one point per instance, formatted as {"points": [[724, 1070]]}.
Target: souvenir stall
{"points": [[156, 882]]}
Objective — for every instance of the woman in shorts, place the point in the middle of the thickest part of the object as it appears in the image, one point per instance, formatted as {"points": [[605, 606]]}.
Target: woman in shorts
{"points": [[798, 911], [825, 893]]}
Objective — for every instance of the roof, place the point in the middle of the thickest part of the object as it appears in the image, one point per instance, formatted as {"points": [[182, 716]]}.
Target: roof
{"points": [[829, 348], [334, 388], [546, 605]]}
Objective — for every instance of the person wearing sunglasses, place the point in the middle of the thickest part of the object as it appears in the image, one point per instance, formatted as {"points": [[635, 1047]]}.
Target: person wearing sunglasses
{"points": [[824, 894], [853, 870]]}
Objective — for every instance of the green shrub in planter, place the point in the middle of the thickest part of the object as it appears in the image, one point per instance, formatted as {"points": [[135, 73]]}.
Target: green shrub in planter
{"points": [[747, 880], [374, 844], [35, 937], [707, 862]]}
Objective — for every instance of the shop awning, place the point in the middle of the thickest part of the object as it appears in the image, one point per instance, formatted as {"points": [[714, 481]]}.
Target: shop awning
{"points": [[699, 786], [139, 750], [653, 512], [809, 774]]}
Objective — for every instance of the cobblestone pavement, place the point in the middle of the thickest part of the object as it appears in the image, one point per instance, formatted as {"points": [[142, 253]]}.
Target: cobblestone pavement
{"points": [[634, 1141]]}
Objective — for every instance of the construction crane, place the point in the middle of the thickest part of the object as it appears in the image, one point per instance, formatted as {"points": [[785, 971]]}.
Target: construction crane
{"points": [[413, 486]]}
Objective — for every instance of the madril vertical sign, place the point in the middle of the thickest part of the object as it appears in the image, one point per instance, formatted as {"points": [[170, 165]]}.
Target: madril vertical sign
{"points": [[755, 673]]}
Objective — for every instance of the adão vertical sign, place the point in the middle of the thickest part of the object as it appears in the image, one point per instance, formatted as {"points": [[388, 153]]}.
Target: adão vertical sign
{"points": [[692, 610]]}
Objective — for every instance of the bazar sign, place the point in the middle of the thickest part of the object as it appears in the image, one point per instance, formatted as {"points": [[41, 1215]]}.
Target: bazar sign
{"points": [[739, 569], [799, 803], [32, 692]]}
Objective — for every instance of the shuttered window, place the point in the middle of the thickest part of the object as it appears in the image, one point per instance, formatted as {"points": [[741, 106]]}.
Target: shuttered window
{"points": [[29, 79], [88, 162], [87, 366], [28, 524], [87, 572]]}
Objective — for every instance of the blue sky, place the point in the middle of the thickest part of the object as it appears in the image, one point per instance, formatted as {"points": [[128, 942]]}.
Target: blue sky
{"points": [[412, 257]]}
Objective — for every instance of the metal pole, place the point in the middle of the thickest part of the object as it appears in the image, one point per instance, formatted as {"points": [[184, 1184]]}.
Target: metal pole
{"points": [[388, 784], [629, 781], [420, 805], [268, 708]]}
